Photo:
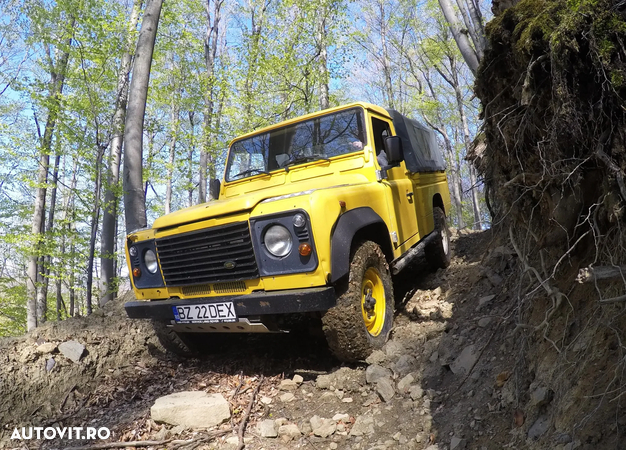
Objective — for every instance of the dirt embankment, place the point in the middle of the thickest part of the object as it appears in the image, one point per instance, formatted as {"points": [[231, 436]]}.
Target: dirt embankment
{"points": [[457, 373], [553, 90]]}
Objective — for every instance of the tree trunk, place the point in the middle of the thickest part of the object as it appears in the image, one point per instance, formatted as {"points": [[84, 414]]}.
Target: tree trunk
{"points": [[192, 148], [210, 53], [386, 64], [453, 170], [42, 293], [170, 168], [323, 58], [95, 217], [257, 19], [466, 139], [467, 51], [455, 177], [68, 209], [134, 198], [108, 284], [57, 80]]}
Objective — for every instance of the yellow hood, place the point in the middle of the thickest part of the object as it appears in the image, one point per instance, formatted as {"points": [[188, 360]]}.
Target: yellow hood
{"points": [[211, 209]]}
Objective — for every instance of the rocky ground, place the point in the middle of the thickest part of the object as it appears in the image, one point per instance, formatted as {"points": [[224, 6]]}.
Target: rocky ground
{"points": [[447, 378]]}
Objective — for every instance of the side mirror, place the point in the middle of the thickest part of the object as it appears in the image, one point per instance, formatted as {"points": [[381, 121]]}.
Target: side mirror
{"points": [[214, 188], [393, 148]]}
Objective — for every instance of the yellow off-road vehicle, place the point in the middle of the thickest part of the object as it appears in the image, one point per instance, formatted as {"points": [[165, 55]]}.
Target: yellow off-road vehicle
{"points": [[313, 217]]}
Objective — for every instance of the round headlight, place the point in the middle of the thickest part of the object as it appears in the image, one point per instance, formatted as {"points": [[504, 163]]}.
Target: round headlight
{"points": [[150, 260], [132, 251], [277, 240]]}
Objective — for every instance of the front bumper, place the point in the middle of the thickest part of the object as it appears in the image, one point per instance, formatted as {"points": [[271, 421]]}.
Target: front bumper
{"points": [[256, 304]]}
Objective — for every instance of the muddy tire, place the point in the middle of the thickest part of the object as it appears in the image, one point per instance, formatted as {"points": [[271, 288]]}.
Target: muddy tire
{"points": [[362, 319], [438, 253]]}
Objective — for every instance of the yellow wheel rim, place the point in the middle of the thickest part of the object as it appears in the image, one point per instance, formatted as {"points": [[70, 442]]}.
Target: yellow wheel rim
{"points": [[373, 315]]}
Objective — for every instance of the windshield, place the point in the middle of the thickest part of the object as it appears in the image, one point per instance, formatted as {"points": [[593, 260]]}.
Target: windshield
{"points": [[319, 138]]}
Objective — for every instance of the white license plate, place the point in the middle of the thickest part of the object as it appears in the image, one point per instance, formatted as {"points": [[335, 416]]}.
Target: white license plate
{"points": [[205, 313]]}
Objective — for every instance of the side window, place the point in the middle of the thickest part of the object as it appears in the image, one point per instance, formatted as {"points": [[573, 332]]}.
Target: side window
{"points": [[381, 130]]}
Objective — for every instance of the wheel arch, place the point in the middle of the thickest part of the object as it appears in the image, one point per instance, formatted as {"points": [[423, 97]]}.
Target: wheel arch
{"points": [[352, 227], [438, 202]]}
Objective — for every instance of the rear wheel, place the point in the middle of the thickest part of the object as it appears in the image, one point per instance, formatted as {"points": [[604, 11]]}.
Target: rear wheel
{"points": [[363, 317], [438, 252]]}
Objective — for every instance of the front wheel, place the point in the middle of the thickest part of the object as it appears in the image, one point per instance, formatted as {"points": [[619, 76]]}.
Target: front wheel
{"points": [[438, 252], [362, 319]]}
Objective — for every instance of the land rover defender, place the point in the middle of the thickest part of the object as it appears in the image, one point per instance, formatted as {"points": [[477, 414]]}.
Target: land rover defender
{"points": [[313, 217]]}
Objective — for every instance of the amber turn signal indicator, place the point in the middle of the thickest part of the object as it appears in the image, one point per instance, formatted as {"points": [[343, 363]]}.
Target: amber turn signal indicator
{"points": [[342, 203], [305, 249], [136, 272]]}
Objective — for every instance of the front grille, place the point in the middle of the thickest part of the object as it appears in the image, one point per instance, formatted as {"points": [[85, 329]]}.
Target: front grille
{"points": [[210, 255]]}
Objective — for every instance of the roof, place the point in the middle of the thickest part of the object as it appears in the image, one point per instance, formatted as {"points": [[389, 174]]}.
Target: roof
{"points": [[323, 112]]}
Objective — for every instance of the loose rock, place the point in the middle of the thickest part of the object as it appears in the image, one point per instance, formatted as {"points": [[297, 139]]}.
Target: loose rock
{"points": [[288, 385], [404, 365], [323, 427], [72, 350], [457, 443], [267, 428], [363, 425], [465, 361], [541, 396], [375, 372], [405, 383], [323, 381], [416, 392], [385, 389], [377, 357], [539, 428], [191, 409], [48, 347], [289, 432]]}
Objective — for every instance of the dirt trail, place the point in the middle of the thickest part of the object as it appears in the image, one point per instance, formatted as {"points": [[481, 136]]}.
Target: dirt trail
{"points": [[451, 370]]}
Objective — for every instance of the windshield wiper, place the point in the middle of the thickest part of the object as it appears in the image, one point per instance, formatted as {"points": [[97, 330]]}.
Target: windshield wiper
{"points": [[303, 159], [250, 172]]}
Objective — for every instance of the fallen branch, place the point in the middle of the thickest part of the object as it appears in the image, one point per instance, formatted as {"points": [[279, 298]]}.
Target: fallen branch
{"points": [[621, 298], [590, 274], [125, 444], [200, 439], [244, 421]]}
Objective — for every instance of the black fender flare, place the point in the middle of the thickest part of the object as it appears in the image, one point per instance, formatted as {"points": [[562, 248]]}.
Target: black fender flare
{"points": [[347, 226]]}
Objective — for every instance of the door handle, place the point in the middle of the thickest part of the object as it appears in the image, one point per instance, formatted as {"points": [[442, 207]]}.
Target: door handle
{"points": [[409, 195]]}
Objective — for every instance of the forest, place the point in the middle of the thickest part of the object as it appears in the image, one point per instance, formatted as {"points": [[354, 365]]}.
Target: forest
{"points": [[219, 68]]}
